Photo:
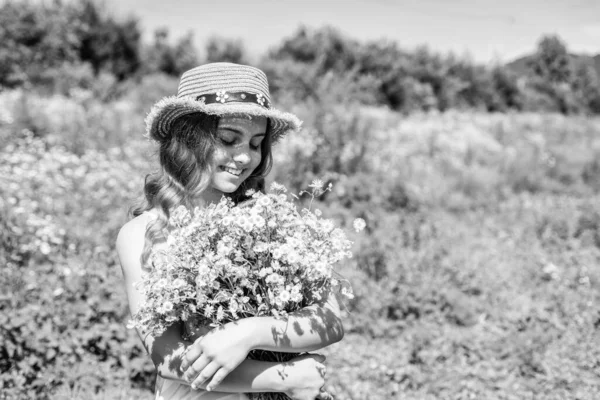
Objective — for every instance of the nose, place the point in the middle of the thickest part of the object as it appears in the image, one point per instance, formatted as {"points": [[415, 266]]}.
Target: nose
{"points": [[242, 156]]}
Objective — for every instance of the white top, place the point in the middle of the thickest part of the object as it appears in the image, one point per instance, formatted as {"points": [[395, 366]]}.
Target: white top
{"points": [[172, 390]]}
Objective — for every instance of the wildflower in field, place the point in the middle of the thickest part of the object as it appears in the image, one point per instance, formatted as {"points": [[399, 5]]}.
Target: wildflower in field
{"points": [[359, 224], [39, 183], [316, 184], [277, 188]]}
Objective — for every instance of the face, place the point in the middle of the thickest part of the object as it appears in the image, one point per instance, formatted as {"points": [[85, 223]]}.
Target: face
{"points": [[237, 154]]}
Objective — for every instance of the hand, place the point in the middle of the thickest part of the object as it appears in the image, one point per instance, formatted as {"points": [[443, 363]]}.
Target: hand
{"points": [[215, 355], [307, 378]]}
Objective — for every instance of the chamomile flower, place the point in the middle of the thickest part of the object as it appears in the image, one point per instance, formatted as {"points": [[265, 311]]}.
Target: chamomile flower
{"points": [[359, 224], [277, 187], [264, 201], [316, 184], [284, 296], [209, 310], [220, 314]]}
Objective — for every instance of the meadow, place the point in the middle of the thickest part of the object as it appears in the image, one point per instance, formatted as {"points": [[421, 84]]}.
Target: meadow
{"points": [[476, 277]]}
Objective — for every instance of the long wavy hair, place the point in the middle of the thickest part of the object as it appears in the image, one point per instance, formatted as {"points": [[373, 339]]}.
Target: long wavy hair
{"points": [[185, 159]]}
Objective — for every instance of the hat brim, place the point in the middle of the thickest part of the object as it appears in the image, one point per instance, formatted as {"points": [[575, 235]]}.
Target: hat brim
{"points": [[167, 110]]}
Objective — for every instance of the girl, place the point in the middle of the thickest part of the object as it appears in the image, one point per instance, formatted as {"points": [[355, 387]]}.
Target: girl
{"points": [[215, 139]]}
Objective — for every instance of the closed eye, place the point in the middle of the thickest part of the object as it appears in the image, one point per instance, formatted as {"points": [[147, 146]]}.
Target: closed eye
{"points": [[229, 136], [255, 145]]}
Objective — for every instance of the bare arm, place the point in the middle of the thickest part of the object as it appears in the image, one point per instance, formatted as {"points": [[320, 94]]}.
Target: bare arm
{"points": [[213, 356], [165, 350], [308, 329], [303, 375]]}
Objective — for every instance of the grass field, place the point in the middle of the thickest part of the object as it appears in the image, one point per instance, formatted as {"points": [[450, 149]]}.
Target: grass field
{"points": [[477, 277]]}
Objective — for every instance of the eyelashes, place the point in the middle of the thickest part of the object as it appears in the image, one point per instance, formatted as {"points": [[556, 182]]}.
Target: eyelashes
{"points": [[232, 142]]}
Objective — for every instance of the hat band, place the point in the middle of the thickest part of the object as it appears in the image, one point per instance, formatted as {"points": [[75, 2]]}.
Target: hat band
{"points": [[234, 97]]}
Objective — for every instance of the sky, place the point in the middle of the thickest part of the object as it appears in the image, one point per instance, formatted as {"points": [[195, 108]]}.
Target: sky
{"points": [[487, 31]]}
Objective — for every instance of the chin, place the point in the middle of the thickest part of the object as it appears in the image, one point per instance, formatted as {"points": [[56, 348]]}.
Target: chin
{"points": [[225, 187]]}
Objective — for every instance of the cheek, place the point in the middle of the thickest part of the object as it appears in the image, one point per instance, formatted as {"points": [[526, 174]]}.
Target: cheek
{"points": [[257, 158], [219, 156]]}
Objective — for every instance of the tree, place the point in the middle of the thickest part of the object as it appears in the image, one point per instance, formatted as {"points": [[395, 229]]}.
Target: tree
{"points": [[159, 56], [431, 68], [326, 46], [186, 56], [172, 60], [220, 49], [40, 38], [551, 62], [35, 38], [385, 62], [587, 87], [106, 43], [506, 87]]}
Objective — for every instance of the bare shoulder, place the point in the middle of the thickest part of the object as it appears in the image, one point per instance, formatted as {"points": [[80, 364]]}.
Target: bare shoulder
{"points": [[133, 231], [131, 239], [130, 245]]}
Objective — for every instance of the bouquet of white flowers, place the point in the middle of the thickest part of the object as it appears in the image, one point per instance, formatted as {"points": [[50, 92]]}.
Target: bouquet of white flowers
{"points": [[226, 262]]}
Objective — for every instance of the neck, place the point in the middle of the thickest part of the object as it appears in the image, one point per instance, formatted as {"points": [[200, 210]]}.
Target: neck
{"points": [[208, 196]]}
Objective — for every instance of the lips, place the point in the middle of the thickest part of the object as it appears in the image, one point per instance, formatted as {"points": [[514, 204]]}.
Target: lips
{"points": [[233, 171]]}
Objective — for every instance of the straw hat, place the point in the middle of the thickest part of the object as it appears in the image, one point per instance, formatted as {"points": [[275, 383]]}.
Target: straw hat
{"points": [[220, 89]]}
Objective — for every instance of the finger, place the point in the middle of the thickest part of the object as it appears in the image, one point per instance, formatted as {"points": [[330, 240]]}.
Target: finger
{"points": [[205, 374], [320, 358], [322, 370], [196, 368], [190, 355], [324, 395], [217, 378]]}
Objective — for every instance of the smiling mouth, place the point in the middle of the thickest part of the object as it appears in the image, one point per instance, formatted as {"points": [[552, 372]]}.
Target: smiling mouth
{"points": [[233, 171]]}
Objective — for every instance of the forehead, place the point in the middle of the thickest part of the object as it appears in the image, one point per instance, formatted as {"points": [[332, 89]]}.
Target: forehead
{"points": [[253, 125]]}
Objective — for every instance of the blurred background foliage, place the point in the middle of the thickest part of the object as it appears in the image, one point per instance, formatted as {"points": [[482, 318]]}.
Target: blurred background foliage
{"points": [[58, 45], [476, 276]]}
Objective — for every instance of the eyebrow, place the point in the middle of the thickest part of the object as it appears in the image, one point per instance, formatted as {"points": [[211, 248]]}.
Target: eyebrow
{"points": [[239, 132]]}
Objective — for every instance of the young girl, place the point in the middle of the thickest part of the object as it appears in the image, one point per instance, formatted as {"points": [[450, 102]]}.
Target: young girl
{"points": [[215, 139]]}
